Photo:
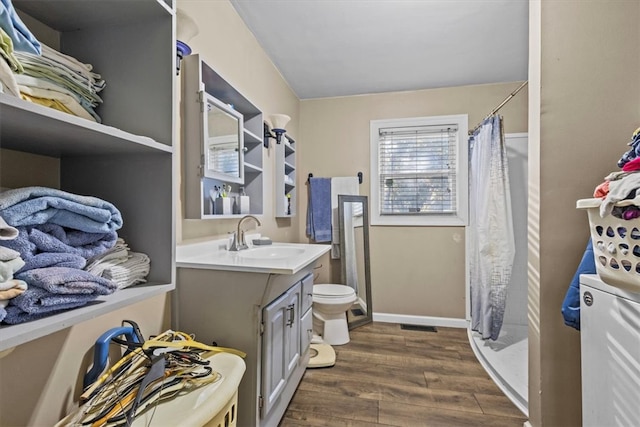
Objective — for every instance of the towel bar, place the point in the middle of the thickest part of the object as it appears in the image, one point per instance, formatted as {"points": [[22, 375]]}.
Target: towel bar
{"points": [[360, 177]]}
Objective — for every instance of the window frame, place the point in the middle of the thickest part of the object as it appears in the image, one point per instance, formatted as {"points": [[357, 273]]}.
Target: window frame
{"points": [[461, 215]]}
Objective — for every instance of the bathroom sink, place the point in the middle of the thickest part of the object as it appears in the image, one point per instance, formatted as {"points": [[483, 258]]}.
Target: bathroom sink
{"points": [[271, 252], [277, 258]]}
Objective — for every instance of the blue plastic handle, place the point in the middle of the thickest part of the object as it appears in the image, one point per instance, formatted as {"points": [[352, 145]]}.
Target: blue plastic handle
{"points": [[101, 351]]}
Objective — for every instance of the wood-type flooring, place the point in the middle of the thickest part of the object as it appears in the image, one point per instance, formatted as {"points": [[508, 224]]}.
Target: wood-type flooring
{"points": [[389, 376]]}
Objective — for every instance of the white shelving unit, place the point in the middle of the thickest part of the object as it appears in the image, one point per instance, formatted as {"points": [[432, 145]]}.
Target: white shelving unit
{"points": [[127, 160], [285, 175], [197, 76]]}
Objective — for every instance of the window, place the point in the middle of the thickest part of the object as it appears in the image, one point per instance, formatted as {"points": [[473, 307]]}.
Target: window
{"points": [[419, 171]]}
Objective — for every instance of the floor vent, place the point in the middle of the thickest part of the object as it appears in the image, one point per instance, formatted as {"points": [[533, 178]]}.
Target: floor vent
{"points": [[357, 312], [418, 328]]}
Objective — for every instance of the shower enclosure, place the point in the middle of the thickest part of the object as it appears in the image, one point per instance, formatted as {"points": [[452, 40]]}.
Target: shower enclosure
{"points": [[505, 359]]}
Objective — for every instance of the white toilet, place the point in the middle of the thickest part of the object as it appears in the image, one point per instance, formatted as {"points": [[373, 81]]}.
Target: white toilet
{"points": [[330, 305]]}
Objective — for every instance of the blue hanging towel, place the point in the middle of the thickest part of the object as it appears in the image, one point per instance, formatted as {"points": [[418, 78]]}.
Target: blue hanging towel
{"points": [[319, 210], [571, 303]]}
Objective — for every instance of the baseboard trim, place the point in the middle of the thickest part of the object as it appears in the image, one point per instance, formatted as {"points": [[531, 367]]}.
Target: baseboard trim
{"points": [[445, 322]]}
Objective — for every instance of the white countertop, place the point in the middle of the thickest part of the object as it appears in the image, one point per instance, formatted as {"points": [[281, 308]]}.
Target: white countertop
{"points": [[213, 255]]}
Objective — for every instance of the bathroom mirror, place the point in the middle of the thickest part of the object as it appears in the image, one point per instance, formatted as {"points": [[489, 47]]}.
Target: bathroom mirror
{"points": [[223, 142], [353, 214]]}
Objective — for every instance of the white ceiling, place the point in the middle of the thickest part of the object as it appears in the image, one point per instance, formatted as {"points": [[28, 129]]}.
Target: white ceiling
{"points": [[326, 48]]}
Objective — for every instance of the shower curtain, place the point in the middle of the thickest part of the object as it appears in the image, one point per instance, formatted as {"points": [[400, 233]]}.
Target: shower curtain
{"points": [[492, 245]]}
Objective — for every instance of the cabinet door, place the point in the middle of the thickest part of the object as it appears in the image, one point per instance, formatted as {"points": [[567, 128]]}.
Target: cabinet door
{"points": [[292, 349], [306, 294], [280, 345], [306, 331], [223, 141]]}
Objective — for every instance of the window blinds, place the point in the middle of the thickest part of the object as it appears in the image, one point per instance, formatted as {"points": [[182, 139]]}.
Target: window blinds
{"points": [[417, 170]]}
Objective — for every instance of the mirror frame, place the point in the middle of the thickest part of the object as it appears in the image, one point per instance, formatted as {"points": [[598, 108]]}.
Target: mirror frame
{"points": [[209, 173], [342, 199]]}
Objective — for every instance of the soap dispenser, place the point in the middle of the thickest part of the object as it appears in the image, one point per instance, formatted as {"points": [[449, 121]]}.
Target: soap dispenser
{"points": [[242, 203]]}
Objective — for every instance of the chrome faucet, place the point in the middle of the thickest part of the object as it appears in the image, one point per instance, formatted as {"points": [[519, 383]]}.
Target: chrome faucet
{"points": [[239, 243]]}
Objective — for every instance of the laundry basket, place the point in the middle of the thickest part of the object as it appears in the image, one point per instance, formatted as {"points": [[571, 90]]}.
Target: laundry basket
{"points": [[616, 246], [214, 405]]}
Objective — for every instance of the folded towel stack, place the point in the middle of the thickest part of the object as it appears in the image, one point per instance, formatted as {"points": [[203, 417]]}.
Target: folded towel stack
{"points": [[121, 266], [61, 82], [39, 74], [56, 233]]}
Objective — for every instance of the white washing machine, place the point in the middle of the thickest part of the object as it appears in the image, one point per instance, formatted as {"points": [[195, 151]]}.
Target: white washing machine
{"points": [[610, 348]]}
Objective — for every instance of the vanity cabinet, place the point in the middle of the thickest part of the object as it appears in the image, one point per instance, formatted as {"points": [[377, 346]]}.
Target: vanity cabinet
{"points": [[222, 144], [285, 173], [263, 314], [128, 159]]}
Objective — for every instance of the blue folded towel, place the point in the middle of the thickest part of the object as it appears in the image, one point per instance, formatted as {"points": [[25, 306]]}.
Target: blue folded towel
{"points": [[63, 280], [54, 245], [53, 238], [319, 210], [40, 205], [52, 259], [39, 301], [15, 315], [3, 313]]}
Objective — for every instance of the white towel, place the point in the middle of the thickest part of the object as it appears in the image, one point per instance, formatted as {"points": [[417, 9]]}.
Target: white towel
{"points": [[7, 254], [9, 268], [7, 232], [120, 265], [348, 185], [129, 273]]}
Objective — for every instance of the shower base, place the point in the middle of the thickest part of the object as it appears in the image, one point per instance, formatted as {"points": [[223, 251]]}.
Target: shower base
{"points": [[505, 360]]}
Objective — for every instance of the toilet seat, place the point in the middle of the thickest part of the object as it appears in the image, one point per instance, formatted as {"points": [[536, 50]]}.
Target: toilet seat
{"points": [[333, 291]]}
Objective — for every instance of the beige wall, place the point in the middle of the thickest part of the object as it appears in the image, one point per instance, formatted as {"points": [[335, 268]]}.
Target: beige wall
{"points": [[415, 270], [227, 46], [584, 94]]}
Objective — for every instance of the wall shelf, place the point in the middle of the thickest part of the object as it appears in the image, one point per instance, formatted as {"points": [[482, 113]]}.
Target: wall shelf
{"points": [[285, 177], [128, 159], [14, 335], [196, 75]]}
